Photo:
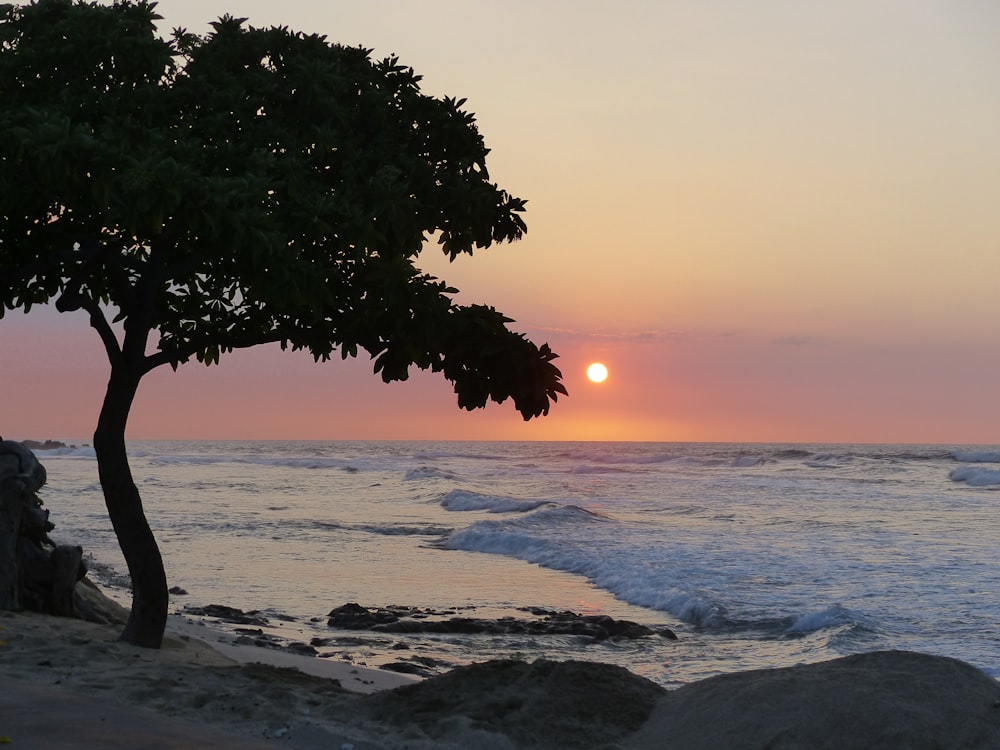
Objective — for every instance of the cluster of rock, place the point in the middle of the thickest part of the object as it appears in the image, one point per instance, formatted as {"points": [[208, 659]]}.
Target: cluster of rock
{"points": [[397, 619], [43, 445], [35, 573], [232, 615]]}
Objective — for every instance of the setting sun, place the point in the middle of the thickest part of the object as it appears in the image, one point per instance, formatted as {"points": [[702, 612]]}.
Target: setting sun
{"points": [[597, 373]]}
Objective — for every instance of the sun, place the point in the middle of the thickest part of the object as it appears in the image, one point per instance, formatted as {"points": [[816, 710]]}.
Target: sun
{"points": [[597, 372]]}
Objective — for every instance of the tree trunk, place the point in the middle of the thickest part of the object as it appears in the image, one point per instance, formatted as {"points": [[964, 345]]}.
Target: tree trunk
{"points": [[148, 618]]}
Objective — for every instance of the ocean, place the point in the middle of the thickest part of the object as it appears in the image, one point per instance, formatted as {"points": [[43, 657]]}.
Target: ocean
{"points": [[754, 555]]}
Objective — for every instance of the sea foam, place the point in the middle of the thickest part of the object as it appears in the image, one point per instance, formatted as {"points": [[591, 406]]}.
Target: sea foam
{"points": [[975, 476], [977, 457], [830, 617]]}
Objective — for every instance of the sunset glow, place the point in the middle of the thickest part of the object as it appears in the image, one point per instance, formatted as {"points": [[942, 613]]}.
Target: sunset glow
{"points": [[794, 246]]}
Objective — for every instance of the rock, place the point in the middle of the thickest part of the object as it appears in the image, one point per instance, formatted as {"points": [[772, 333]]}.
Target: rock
{"points": [[302, 649], [43, 445], [228, 614], [18, 464], [67, 570], [544, 704], [405, 667], [93, 606], [891, 700], [35, 573], [353, 616]]}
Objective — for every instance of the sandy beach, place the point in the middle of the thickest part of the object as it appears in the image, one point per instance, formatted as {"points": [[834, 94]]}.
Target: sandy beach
{"points": [[70, 683]]}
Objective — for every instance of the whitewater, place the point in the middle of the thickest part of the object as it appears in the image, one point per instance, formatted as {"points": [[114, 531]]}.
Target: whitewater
{"points": [[754, 555]]}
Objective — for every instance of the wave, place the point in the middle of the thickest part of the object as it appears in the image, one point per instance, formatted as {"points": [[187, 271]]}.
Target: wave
{"points": [[608, 457], [829, 460], [588, 469], [975, 476], [831, 617], [748, 461], [432, 455], [977, 457], [531, 538], [311, 463], [404, 530], [605, 464], [464, 500], [792, 453], [516, 536], [390, 529], [552, 538], [428, 472]]}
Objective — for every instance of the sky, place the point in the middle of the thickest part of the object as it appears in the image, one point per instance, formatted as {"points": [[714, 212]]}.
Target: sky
{"points": [[773, 221]]}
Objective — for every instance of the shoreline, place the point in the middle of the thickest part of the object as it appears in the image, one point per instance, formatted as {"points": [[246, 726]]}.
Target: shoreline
{"points": [[252, 526], [204, 686], [352, 677]]}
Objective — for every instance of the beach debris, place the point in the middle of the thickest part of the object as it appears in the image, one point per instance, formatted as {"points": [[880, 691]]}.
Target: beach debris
{"points": [[400, 619]]}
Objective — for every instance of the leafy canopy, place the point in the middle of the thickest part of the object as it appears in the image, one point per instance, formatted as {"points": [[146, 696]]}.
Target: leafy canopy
{"points": [[244, 187]]}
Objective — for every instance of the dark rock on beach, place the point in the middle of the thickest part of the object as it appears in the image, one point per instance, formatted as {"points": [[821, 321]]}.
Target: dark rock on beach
{"points": [[885, 700], [396, 619], [37, 574], [231, 615], [888, 700], [43, 445], [407, 667], [352, 616], [544, 704]]}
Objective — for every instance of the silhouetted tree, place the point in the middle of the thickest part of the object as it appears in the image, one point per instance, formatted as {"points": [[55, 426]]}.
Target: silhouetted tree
{"points": [[200, 194]]}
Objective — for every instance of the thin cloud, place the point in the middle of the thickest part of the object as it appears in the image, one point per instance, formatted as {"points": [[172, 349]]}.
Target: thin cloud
{"points": [[800, 340]]}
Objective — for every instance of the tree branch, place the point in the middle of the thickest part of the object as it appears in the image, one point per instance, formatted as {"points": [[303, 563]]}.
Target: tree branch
{"points": [[99, 322], [224, 343]]}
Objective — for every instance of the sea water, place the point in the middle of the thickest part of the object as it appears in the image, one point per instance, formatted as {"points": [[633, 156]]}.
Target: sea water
{"points": [[754, 555]]}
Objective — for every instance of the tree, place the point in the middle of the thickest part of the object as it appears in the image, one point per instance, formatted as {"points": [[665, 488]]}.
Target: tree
{"points": [[200, 194]]}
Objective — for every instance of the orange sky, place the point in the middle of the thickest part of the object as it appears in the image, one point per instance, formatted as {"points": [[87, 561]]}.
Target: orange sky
{"points": [[774, 221]]}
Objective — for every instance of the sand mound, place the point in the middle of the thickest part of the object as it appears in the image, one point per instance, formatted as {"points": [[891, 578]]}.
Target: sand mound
{"points": [[889, 700]]}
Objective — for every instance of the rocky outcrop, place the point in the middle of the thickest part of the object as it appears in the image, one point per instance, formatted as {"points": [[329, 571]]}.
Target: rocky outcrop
{"points": [[35, 573], [43, 445], [891, 700], [395, 619], [24, 524], [542, 704]]}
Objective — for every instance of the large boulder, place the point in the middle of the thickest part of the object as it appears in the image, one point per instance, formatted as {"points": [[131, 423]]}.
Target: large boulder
{"points": [[886, 700], [21, 516], [19, 468], [35, 573], [530, 706]]}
